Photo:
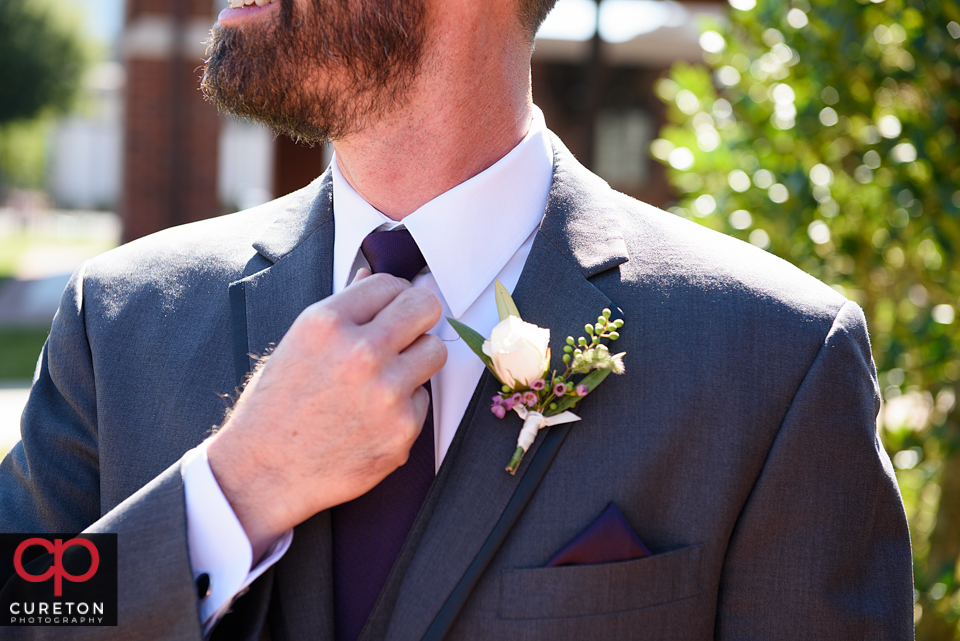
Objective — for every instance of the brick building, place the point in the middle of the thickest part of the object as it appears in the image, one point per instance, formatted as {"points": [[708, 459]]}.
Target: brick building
{"points": [[593, 77], [170, 134]]}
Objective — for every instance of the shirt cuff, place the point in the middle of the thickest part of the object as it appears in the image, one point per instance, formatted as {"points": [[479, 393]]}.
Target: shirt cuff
{"points": [[218, 546]]}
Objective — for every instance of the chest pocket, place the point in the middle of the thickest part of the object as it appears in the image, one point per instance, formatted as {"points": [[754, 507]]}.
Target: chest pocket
{"points": [[607, 588]]}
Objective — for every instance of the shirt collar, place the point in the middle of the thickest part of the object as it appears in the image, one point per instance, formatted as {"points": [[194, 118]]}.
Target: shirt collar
{"points": [[466, 234]]}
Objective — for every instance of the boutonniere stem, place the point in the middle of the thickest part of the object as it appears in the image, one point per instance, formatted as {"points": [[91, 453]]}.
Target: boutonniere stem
{"points": [[518, 355]]}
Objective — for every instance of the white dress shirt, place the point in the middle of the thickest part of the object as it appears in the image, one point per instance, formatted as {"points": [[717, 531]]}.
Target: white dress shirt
{"points": [[472, 235]]}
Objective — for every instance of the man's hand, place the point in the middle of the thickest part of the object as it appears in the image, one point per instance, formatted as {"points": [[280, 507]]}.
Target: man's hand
{"points": [[335, 409]]}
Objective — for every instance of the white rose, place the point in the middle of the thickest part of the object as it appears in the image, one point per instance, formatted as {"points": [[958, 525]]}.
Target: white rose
{"points": [[519, 351]]}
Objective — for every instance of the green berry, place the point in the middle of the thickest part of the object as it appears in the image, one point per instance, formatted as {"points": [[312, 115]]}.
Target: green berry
{"points": [[582, 342], [570, 340], [506, 389], [606, 313], [566, 358], [614, 336], [618, 323], [589, 328], [553, 406], [567, 349]]}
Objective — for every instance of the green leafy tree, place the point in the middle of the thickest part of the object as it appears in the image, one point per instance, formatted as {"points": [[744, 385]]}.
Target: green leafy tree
{"points": [[826, 132], [43, 57]]}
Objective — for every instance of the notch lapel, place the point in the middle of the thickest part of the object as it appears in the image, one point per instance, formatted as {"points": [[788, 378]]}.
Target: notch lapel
{"points": [[297, 250], [293, 268], [578, 238]]}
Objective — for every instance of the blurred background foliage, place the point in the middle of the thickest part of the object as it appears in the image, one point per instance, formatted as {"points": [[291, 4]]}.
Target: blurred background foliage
{"points": [[826, 132], [44, 56]]}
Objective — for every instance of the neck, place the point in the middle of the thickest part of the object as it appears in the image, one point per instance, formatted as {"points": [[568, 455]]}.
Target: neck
{"points": [[470, 106]]}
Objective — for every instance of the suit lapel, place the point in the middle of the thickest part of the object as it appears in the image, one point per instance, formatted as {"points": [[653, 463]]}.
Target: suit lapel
{"points": [[577, 239], [297, 250]]}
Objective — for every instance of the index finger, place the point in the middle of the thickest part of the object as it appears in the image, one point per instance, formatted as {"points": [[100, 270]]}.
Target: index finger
{"points": [[364, 298]]}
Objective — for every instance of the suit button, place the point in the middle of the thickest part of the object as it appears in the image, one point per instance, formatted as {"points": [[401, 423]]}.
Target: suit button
{"points": [[203, 585]]}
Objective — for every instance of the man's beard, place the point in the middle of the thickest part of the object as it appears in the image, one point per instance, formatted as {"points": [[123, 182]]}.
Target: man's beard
{"points": [[318, 76]]}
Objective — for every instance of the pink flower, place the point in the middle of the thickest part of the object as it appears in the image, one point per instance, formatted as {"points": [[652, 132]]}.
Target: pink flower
{"points": [[530, 399], [497, 400], [582, 390], [498, 410], [538, 385], [559, 389], [517, 399], [507, 404]]}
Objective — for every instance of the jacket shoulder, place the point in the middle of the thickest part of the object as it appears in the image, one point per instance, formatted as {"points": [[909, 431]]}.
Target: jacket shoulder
{"points": [[221, 244], [207, 253], [685, 269], [706, 270]]}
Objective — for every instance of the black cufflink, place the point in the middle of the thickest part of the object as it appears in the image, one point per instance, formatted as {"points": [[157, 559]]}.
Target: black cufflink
{"points": [[203, 585]]}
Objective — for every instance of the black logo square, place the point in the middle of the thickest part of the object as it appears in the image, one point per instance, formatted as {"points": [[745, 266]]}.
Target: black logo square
{"points": [[58, 579]]}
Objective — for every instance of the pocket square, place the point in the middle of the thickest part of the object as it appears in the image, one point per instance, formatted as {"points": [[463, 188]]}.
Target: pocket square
{"points": [[607, 540]]}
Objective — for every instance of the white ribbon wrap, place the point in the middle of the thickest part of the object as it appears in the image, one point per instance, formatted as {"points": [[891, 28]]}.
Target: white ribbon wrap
{"points": [[533, 422]]}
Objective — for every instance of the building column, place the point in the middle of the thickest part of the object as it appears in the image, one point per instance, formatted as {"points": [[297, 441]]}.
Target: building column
{"points": [[170, 132]]}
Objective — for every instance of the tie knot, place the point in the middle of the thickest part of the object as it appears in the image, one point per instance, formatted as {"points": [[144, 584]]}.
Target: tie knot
{"points": [[393, 252]]}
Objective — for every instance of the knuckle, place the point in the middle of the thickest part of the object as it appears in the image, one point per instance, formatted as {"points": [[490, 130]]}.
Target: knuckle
{"points": [[390, 284], [391, 398], [424, 300], [402, 457], [321, 319], [395, 442], [409, 432], [364, 354]]}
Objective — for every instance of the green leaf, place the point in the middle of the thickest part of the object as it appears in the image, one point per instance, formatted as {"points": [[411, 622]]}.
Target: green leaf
{"points": [[505, 305], [475, 342], [591, 380]]}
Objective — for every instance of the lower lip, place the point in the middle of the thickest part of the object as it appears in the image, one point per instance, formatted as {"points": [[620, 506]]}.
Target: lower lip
{"points": [[234, 17]]}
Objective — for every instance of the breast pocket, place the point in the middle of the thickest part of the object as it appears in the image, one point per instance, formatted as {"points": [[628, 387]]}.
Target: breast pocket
{"points": [[606, 588]]}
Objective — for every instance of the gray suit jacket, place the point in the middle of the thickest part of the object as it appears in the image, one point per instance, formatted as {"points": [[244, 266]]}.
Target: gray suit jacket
{"points": [[740, 444]]}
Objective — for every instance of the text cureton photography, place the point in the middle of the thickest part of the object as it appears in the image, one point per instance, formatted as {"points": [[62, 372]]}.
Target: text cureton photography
{"points": [[59, 579]]}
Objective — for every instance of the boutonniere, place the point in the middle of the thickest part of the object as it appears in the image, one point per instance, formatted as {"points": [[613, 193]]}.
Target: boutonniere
{"points": [[518, 355]]}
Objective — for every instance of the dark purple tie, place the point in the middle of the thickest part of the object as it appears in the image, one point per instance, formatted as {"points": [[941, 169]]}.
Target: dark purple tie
{"points": [[369, 531], [393, 252]]}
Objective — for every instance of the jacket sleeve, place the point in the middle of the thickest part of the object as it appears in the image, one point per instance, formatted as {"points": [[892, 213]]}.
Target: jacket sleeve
{"points": [[821, 549], [50, 482]]}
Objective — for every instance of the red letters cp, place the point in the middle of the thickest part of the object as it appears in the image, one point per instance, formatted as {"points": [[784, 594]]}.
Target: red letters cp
{"points": [[56, 571]]}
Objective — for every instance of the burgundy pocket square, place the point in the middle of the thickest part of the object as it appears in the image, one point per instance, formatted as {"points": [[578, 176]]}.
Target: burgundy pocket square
{"points": [[607, 540]]}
